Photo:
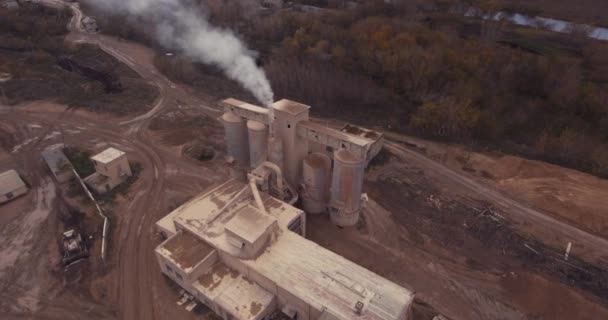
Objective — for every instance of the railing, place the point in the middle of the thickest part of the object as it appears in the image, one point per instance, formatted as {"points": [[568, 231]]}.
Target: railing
{"points": [[106, 223]]}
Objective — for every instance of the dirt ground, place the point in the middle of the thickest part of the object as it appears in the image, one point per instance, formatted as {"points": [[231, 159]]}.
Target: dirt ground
{"points": [[577, 198], [79, 75], [436, 228], [459, 250], [45, 290]]}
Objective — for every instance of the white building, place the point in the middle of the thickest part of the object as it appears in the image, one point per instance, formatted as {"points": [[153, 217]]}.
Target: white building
{"points": [[112, 168], [247, 258], [240, 248], [58, 163], [284, 136], [11, 186]]}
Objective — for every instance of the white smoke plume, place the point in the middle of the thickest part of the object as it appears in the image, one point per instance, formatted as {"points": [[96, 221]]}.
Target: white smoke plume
{"points": [[183, 26]]}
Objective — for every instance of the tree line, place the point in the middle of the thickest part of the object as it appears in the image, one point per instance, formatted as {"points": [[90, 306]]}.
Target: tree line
{"points": [[400, 66]]}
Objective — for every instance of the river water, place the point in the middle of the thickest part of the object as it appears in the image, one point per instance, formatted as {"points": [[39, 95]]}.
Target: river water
{"points": [[546, 23]]}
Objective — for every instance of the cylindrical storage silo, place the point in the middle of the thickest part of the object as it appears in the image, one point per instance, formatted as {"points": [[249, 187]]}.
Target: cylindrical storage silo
{"points": [[258, 142], [346, 188], [275, 146], [315, 176], [237, 142]]}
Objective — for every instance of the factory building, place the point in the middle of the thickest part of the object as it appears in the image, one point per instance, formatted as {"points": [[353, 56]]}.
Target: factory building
{"points": [[240, 248], [111, 169], [322, 166], [58, 163], [11, 186], [243, 253]]}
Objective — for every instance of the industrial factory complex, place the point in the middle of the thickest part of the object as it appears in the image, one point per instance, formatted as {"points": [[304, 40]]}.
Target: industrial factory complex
{"points": [[240, 248], [150, 167]]}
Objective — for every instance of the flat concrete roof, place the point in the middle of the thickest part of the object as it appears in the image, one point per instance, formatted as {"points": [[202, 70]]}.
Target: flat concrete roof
{"points": [[185, 250], [291, 107], [233, 292], [107, 155], [56, 159], [207, 215], [250, 223], [350, 138], [361, 132], [302, 267], [310, 272], [244, 105], [10, 181]]}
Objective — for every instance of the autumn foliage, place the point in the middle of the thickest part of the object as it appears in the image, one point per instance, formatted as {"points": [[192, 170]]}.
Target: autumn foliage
{"points": [[416, 67], [436, 83]]}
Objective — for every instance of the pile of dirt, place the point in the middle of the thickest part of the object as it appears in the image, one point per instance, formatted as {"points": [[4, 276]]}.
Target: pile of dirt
{"points": [[479, 233], [423, 311], [200, 136], [200, 151], [577, 198], [44, 67]]}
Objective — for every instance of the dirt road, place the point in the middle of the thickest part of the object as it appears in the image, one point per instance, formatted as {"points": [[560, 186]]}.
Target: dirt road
{"points": [[136, 286], [553, 232]]}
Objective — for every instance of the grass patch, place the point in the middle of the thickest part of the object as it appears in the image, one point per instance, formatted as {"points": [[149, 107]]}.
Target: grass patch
{"points": [[81, 160], [32, 50]]}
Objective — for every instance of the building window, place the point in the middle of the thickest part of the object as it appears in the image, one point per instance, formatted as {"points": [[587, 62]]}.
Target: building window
{"points": [[179, 276], [288, 126], [168, 268]]}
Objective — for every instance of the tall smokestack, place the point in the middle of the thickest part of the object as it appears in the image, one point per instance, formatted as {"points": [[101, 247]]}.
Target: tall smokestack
{"points": [[180, 24]]}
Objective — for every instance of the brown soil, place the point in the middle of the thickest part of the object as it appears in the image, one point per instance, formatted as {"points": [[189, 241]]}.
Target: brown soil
{"points": [[457, 252], [198, 136], [569, 195], [451, 260], [37, 75], [187, 250]]}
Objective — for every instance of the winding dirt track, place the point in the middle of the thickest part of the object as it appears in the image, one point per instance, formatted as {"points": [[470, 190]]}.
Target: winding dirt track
{"points": [[137, 285], [552, 231], [137, 279]]}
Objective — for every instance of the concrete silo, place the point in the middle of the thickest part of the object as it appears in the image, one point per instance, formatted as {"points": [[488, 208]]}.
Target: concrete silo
{"points": [[258, 142], [286, 115], [315, 175], [236, 138], [275, 151], [346, 188]]}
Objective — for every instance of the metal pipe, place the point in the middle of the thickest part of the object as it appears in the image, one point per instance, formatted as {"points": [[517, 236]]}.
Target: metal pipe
{"points": [[279, 175], [256, 195], [106, 223], [228, 204]]}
